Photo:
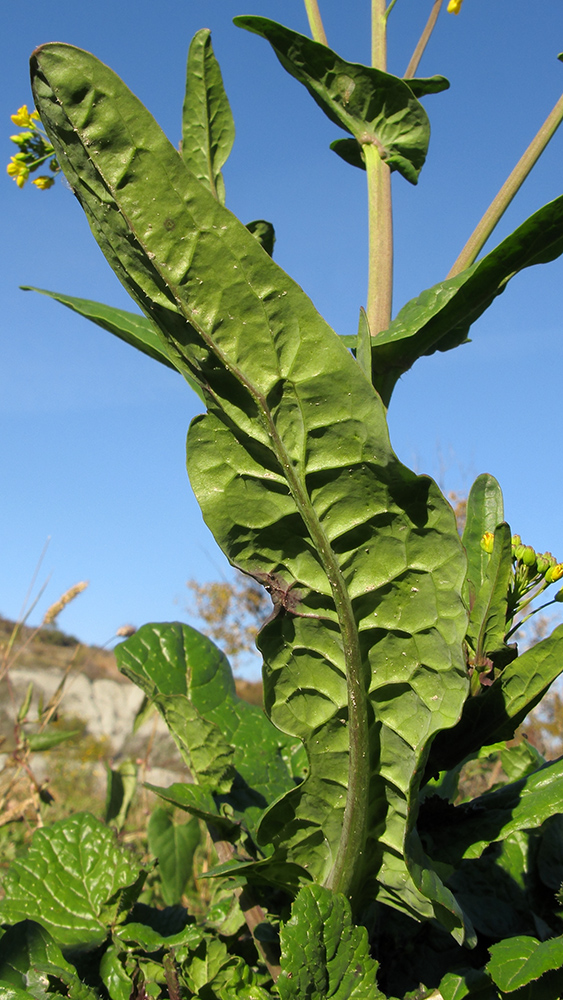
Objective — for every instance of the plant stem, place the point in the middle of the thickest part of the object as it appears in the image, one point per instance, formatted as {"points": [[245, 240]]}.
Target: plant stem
{"points": [[423, 40], [378, 34], [380, 221], [380, 216], [512, 184], [315, 21]]}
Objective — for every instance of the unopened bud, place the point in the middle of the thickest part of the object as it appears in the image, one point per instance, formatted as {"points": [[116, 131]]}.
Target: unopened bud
{"points": [[559, 596], [487, 542], [528, 556], [554, 573], [516, 540]]}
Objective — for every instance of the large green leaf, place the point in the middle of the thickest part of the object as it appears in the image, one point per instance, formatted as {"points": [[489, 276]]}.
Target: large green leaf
{"points": [[27, 952], [440, 318], [191, 683], [495, 713], [464, 831], [376, 108], [323, 954], [208, 129], [521, 960], [297, 479], [73, 880], [485, 509]]}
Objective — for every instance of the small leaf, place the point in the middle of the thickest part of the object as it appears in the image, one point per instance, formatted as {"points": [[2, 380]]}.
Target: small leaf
{"points": [[363, 349], [71, 881], [24, 947], [48, 739], [264, 233], [116, 980], [485, 510], [208, 129], [468, 983], [324, 955], [174, 845], [24, 707], [521, 960], [487, 622], [375, 107], [121, 788]]}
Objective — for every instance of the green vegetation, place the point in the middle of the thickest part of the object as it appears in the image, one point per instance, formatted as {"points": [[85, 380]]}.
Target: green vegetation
{"points": [[346, 862]]}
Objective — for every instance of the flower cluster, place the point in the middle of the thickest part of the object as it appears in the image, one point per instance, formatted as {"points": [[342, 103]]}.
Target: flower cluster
{"points": [[532, 573], [34, 150]]}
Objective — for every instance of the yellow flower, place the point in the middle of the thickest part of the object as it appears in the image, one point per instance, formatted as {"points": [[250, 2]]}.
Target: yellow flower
{"points": [[43, 182], [18, 170], [454, 6], [23, 118], [487, 542]]}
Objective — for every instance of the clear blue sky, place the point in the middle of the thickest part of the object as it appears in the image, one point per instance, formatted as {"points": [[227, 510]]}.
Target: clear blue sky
{"points": [[93, 433]]}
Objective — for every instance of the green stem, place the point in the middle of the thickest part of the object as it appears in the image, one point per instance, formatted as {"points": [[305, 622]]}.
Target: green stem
{"points": [[315, 21], [378, 34], [380, 221], [380, 215], [423, 40], [499, 205]]}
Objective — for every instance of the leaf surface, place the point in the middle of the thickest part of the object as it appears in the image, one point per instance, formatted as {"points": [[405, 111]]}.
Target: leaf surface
{"points": [[465, 830], [521, 960], [323, 953], [191, 683], [487, 622], [296, 477], [375, 107], [485, 509], [208, 129], [71, 881], [174, 845]]}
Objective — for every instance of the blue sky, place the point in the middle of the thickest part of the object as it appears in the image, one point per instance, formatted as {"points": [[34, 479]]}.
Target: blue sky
{"points": [[94, 433]]}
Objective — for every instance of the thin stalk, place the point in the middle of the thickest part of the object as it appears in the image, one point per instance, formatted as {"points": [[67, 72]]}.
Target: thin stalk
{"points": [[380, 216], [315, 21], [423, 40], [513, 183]]}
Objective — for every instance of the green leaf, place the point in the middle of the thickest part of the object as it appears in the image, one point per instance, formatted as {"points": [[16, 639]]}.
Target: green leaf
{"points": [[375, 107], [363, 349], [487, 621], [521, 960], [48, 739], [199, 802], [25, 947], [440, 318], [120, 791], [295, 474], [464, 831], [9, 992], [71, 880], [191, 683], [422, 86], [323, 954], [115, 978], [468, 983], [494, 715], [174, 845], [264, 233], [208, 129], [485, 510]]}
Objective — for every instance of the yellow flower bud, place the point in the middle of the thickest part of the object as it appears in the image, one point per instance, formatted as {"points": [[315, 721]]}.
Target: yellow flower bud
{"points": [[454, 6], [487, 542], [554, 573], [43, 183]]}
